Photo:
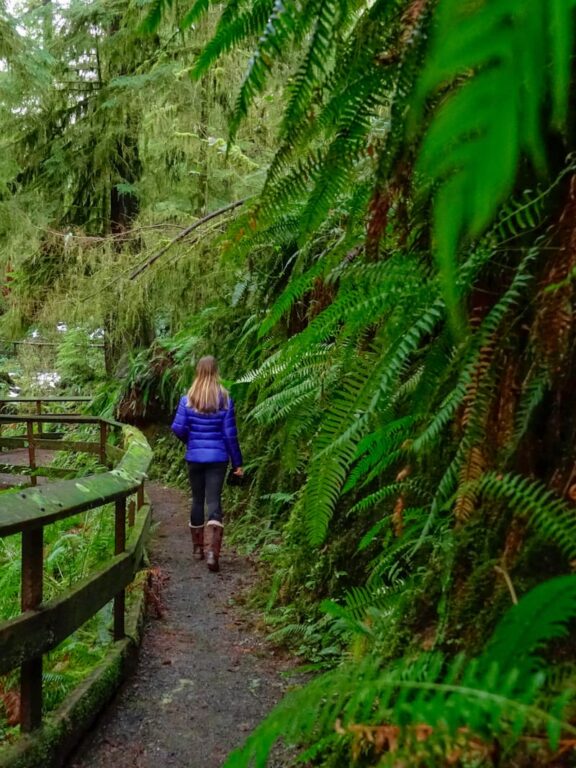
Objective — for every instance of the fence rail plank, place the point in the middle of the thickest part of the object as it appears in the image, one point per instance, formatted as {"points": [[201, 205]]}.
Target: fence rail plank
{"points": [[37, 632], [49, 444], [49, 471], [49, 418], [43, 626], [46, 504]]}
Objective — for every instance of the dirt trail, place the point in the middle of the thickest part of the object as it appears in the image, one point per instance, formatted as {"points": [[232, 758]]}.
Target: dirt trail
{"points": [[203, 678]]}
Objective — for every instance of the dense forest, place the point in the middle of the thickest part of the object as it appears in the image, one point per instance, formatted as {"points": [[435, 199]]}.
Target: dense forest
{"points": [[367, 212]]}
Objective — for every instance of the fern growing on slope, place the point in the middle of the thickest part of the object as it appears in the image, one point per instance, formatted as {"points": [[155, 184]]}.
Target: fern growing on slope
{"points": [[429, 703], [385, 418]]}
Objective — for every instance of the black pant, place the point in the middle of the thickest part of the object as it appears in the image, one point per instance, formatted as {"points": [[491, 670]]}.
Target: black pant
{"points": [[206, 481]]}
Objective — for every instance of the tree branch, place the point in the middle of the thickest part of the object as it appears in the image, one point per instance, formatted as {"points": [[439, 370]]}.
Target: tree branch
{"points": [[185, 232]]}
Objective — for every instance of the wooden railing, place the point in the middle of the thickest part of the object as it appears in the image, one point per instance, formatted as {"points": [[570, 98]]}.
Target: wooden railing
{"points": [[40, 439], [44, 625]]}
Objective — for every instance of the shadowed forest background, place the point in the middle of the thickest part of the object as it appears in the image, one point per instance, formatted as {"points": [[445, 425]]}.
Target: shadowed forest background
{"points": [[367, 212]]}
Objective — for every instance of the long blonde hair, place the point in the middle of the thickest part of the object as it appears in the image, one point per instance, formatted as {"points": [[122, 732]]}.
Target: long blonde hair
{"points": [[206, 394]]}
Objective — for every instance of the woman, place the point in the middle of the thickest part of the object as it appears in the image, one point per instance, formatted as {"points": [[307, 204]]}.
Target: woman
{"points": [[205, 422]]}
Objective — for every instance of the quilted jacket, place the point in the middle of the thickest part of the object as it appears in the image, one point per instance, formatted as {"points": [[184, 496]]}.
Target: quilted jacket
{"points": [[208, 436]]}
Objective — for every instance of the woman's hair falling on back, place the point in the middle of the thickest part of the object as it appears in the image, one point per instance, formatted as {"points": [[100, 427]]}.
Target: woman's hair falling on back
{"points": [[206, 393], [205, 422]]}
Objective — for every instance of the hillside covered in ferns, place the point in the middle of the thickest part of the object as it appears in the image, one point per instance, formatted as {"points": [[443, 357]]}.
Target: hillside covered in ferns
{"points": [[367, 212]]}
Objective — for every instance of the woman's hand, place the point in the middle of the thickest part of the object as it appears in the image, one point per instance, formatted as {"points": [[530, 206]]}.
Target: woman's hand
{"points": [[239, 471]]}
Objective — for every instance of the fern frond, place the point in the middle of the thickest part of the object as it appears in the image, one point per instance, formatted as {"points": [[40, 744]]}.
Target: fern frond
{"points": [[531, 499], [444, 415], [377, 497], [295, 290], [318, 57], [526, 212], [358, 601], [469, 361], [526, 628], [285, 23], [533, 391], [291, 633], [339, 163], [489, 113], [346, 421], [277, 407], [230, 32], [376, 447], [397, 558], [295, 185], [497, 703], [198, 9]]}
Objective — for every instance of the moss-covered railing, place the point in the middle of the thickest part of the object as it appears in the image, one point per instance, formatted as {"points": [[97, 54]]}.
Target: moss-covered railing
{"points": [[43, 625], [38, 437]]}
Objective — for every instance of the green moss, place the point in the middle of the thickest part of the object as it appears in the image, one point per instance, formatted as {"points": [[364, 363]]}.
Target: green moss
{"points": [[62, 729]]}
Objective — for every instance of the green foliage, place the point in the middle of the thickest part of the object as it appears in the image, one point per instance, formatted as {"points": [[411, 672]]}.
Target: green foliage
{"points": [[527, 627], [388, 432], [550, 514], [78, 362], [407, 160], [519, 54], [493, 697]]}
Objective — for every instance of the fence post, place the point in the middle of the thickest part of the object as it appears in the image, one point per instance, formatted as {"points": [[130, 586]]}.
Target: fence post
{"points": [[31, 671], [103, 435], [131, 513], [31, 451], [119, 547], [39, 412]]}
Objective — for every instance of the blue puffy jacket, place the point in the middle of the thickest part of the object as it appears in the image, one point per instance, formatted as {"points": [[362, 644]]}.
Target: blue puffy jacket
{"points": [[208, 436]]}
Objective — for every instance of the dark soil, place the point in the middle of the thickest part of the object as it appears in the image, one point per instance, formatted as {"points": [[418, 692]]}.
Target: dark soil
{"points": [[205, 676]]}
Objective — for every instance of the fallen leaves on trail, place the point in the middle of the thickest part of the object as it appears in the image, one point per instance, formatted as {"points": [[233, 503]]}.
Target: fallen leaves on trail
{"points": [[458, 748], [10, 699], [156, 580], [386, 738]]}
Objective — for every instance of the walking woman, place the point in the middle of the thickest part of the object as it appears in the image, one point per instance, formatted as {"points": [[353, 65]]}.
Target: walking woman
{"points": [[206, 424]]}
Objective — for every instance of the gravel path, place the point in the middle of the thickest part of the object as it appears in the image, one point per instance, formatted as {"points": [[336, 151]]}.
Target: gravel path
{"points": [[204, 677]]}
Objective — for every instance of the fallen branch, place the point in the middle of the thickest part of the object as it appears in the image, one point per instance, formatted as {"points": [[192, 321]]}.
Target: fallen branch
{"points": [[185, 232]]}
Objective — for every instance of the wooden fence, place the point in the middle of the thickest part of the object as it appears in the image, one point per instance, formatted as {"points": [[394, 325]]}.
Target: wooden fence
{"points": [[44, 625]]}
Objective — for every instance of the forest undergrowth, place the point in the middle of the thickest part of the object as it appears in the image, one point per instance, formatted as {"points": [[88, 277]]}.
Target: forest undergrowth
{"points": [[366, 212]]}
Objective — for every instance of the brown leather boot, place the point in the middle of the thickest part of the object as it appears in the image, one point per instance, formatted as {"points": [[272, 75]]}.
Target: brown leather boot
{"points": [[197, 541], [214, 533]]}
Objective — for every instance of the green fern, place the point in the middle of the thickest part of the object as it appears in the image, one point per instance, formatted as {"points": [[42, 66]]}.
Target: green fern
{"points": [[339, 165], [376, 448], [490, 113], [531, 499], [521, 215], [283, 25], [533, 390], [361, 603], [295, 290], [491, 697], [346, 422], [233, 30], [526, 628]]}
